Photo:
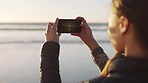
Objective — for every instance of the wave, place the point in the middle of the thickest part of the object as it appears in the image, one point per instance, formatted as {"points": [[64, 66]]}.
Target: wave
{"points": [[42, 26], [40, 41], [22, 29], [96, 24], [39, 29], [23, 24]]}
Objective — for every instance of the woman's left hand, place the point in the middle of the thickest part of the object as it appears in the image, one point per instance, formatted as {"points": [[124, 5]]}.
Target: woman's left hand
{"points": [[51, 32]]}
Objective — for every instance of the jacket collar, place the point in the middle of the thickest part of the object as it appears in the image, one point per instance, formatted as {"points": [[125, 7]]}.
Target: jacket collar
{"points": [[128, 68]]}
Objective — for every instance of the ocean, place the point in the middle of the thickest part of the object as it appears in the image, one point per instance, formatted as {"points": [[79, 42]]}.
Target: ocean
{"points": [[20, 45]]}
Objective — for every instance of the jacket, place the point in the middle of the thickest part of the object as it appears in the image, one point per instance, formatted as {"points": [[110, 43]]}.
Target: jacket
{"points": [[121, 70]]}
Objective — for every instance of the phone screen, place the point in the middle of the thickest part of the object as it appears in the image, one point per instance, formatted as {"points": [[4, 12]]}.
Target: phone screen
{"points": [[69, 26]]}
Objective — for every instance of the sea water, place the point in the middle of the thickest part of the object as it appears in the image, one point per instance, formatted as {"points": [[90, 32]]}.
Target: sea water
{"points": [[20, 45]]}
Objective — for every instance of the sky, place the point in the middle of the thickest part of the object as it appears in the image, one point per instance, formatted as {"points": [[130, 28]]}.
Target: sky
{"points": [[49, 10]]}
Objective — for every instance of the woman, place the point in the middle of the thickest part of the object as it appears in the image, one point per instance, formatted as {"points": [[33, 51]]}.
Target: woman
{"points": [[128, 32]]}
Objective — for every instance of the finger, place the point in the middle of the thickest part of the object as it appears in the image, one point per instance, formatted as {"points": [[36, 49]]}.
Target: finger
{"points": [[75, 34], [59, 34], [55, 24], [82, 26], [49, 26], [83, 21]]}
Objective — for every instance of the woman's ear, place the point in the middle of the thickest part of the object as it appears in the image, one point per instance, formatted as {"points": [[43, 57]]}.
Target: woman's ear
{"points": [[124, 25]]}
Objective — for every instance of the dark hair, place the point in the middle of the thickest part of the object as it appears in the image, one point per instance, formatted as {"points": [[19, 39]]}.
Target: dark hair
{"points": [[137, 13]]}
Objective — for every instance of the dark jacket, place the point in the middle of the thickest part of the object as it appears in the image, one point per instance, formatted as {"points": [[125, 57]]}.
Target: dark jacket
{"points": [[122, 69]]}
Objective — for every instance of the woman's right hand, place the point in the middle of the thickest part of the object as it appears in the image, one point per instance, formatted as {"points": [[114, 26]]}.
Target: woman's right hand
{"points": [[86, 35]]}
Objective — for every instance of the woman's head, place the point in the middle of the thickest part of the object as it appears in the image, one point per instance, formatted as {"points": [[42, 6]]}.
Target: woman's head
{"points": [[128, 15]]}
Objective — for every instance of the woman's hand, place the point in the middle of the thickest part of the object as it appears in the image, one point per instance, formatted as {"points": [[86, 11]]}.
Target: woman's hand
{"points": [[86, 35], [51, 32]]}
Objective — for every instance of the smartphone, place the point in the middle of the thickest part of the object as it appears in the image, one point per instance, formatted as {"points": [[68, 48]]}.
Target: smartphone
{"points": [[69, 26]]}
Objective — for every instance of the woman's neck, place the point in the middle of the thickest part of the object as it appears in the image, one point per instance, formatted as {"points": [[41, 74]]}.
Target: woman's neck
{"points": [[134, 49]]}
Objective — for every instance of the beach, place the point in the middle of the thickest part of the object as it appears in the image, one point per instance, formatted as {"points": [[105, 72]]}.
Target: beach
{"points": [[20, 47]]}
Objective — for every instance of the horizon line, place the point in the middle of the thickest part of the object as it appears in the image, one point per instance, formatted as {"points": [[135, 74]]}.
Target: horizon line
{"points": [[43, 23]]}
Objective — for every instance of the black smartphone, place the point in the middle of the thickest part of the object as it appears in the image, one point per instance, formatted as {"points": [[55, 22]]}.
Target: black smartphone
{"points": [[69, 26]]}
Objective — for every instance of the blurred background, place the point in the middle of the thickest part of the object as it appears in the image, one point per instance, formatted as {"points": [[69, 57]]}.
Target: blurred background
{"points": [[22, 27]]}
